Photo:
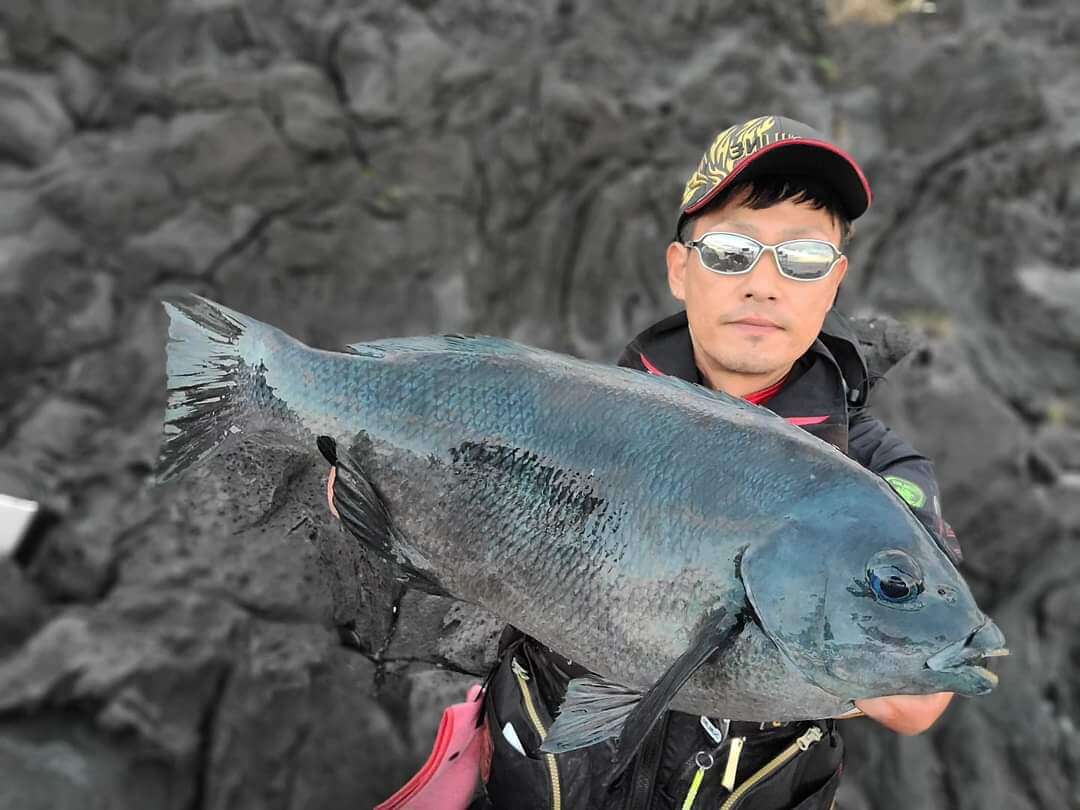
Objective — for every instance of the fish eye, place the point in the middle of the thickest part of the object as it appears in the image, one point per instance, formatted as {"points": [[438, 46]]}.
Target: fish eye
{"points": [[894, 577]]}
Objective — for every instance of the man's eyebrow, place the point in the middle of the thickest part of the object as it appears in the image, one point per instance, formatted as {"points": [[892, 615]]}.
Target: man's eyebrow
{"points": [[797, 233]]}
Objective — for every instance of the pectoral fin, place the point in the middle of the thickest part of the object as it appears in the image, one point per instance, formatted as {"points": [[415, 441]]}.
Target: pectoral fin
{"points": [[364, 513], [593, 710], [715, 635]]}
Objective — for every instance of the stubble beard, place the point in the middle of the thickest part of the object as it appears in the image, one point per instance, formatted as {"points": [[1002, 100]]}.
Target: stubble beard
{"points": [[745, 363]]}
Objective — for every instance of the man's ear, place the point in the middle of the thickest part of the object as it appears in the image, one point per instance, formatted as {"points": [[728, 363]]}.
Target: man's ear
{"points": [[677, 257], [839, 272]]}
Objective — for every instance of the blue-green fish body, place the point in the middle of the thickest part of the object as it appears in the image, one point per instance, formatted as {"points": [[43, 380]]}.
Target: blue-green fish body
{"points": [[616, 516]]}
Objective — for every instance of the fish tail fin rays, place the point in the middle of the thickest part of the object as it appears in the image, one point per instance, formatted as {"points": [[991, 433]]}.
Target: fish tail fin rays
{"points": [[202, 363], [593, 710]]}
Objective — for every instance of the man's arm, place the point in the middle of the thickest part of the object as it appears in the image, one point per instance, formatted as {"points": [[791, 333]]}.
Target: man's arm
{"points": [[911, 474]]}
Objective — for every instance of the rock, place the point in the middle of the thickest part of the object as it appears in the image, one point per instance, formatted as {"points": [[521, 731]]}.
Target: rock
{"points": [[22, 608], [986, 493], [56, 760], [32, 122], [444, 631], [58, 311], [1058, 290], [1061, 445], [99, 30], [192, 242], [146, 664], [417, 694], [81, 86], [338, 749], [113, 186], [357, 171], [228, 155]]}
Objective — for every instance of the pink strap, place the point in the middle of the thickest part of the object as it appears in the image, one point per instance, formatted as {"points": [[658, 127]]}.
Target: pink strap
{"points": [[448, 779]]}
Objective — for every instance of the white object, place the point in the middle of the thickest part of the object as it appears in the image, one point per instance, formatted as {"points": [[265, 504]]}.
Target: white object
{"points": [[511, 737], [16, 516]]}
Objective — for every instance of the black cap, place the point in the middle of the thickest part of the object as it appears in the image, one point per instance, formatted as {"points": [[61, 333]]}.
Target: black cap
{"points": [[772, 144]]}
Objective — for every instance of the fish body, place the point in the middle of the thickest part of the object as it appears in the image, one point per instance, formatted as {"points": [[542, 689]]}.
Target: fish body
{"points": [[616, 516]]}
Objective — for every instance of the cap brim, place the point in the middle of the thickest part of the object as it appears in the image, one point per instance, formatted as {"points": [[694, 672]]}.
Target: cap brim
{"points": [[805, 158]]}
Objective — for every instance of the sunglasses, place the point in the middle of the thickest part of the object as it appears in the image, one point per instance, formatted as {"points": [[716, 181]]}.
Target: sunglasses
{"points": [[731, 254]]}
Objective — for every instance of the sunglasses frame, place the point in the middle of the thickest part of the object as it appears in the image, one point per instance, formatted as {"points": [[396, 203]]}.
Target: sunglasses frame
{"points": [[695, 244]]}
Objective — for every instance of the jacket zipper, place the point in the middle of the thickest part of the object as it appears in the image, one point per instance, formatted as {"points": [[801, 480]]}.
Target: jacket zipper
{"points": [[812, 735], [530, 708]]}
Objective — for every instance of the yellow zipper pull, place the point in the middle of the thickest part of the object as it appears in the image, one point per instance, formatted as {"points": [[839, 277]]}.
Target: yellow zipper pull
{"points": [[704, 760], [732, 767]]}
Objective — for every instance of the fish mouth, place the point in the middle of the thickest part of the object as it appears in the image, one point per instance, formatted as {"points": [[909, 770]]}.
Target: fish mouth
{"points": [[958, 660]]}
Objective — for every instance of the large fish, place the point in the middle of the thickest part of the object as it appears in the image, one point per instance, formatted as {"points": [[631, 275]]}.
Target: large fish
{"points": [[694, 551]]}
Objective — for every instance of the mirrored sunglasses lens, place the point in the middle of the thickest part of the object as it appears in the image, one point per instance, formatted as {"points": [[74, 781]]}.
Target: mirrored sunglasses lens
{"points": [[727, 254], [806, 259]]}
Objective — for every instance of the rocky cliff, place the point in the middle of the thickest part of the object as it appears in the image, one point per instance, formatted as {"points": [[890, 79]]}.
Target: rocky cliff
{"points": [[358, 170]]}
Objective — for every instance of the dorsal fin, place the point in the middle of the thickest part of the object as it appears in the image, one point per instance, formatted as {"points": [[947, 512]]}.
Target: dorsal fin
{"points": [[503, 347], [479, 344], [677, 383]]}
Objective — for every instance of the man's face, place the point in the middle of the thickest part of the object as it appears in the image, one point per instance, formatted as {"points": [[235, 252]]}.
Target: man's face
{"points": [[726, 346]]}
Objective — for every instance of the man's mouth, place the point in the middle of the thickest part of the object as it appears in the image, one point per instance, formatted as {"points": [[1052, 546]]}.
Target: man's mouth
{"points": [[755, 324], [756, 321]]}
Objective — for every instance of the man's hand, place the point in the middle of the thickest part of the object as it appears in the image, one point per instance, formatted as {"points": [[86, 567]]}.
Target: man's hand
{"points": [[330, 491], [906, 714]]}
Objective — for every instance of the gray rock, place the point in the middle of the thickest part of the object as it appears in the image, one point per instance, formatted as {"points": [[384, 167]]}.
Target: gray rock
{"points": [[108, 665], [110, 186], [58, 761], [357, 171], [33, 124], [444, 631], [22, 607], [339, 748], [98, 30], [190, 244], [229, 155], [81, 86]]}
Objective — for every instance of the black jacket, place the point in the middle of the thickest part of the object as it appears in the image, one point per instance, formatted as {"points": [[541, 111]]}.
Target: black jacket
{"points": [[826, 394]]}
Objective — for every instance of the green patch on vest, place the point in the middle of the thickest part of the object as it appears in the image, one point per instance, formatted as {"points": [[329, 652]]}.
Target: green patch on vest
{"points": [[908, 490]]}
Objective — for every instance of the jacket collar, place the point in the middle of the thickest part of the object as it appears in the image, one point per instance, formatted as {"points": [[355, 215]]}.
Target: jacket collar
{"points": [[667, 345], [825, 381]]}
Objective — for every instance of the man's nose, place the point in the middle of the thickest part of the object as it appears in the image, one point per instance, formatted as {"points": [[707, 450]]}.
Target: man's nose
{"points": [[763, 282]]}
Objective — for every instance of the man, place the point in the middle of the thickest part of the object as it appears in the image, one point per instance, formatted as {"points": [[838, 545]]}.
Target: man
{"points": [[757, 260]]}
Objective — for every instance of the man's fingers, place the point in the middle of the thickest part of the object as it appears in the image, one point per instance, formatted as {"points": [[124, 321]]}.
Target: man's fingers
{"points": [[330, 491]]}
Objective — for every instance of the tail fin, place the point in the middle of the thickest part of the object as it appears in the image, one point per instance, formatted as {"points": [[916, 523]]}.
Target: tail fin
{"points": [[202, 362]]}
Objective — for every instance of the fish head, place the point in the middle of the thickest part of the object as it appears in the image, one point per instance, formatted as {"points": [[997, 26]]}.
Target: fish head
{"points": [[870, 606]]}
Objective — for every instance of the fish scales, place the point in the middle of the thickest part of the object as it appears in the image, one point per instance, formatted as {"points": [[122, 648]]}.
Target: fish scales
{"points": [[611, 514]]}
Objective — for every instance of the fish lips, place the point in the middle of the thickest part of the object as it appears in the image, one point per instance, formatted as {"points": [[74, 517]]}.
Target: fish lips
{"points": [[957, 661]]}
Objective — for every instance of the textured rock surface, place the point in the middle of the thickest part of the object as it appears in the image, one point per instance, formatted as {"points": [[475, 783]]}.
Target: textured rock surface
{"points": [[349, 171]]}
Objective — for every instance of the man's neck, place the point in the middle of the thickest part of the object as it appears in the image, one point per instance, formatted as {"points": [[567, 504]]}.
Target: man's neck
{"points": [[736, 384]]}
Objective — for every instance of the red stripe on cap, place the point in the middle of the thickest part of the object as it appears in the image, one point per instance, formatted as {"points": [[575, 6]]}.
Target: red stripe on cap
{"points": [[807, 420], [649, 367], [780, 144]]}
